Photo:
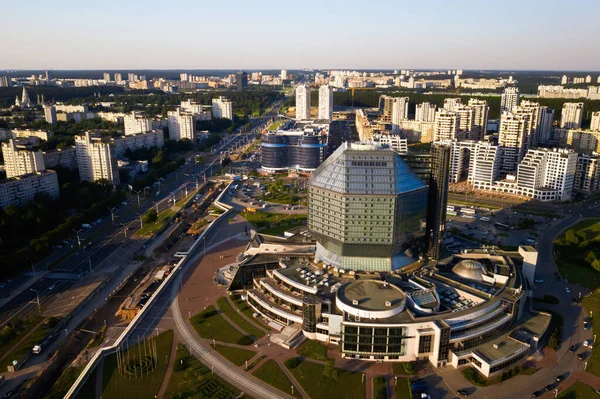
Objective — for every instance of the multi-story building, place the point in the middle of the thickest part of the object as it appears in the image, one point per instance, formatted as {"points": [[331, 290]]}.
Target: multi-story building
{"points": [[480, 118], [571, 116], [580, 141], [446, 126], [450, 104], [50, 114], [547, 174], [301, 147], [466, 118], [484, 165], [393, 110], [190, 105], [96, 157], [65, 158], [18, 190], [587, 175], [241, 81], [283, 74], [325, 103], [22, 156], [5, 81], [41, 134], [437, 199], [106, 76], [118, 77], [595, 124], [425, 112], [513, 133], [150, 139], [182, 125], [303, 102], [136, 123], [222, 107], [70, 108], [396, 142], [509, 99]]}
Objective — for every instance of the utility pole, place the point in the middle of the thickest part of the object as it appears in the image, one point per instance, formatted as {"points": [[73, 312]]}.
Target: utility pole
{"points": [[138, 197], [38, 300], [78, 240], [141, 222], [112, 214], [90, 262]]}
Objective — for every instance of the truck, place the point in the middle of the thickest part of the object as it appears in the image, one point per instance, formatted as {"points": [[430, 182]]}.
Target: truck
{"points": [[251, 210], [86, 226]]}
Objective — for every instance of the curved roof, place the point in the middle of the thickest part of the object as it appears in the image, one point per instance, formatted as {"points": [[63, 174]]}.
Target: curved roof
{"points": [[470, 269], [371, 295], [365, 169]]}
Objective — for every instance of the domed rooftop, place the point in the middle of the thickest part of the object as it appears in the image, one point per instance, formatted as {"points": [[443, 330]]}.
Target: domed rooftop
{"points": [[365, 169], [470, 269]]}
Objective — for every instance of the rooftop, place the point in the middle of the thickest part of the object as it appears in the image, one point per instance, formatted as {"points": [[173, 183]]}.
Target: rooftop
{"points": [[371, 295]]}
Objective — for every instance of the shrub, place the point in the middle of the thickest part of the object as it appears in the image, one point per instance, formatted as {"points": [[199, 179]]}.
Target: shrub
{"points": [[292, 363], [245, 340]]}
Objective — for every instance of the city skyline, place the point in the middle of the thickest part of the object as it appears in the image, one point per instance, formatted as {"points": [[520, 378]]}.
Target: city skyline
{"points": [[415, 36]]}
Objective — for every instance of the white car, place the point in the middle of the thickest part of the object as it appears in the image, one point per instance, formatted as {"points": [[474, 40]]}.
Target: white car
{"points": [[567, 290], [588, 343]]}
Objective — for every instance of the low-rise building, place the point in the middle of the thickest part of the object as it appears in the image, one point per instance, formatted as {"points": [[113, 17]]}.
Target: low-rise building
{"points": [[18, 190]]}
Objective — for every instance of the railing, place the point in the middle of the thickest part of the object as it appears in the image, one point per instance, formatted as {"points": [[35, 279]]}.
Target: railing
{"points": [[134, 323]]}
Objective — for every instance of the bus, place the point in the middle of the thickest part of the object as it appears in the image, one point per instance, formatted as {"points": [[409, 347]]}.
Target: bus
{"points": [[468, 211], [450, 213], [502, 226]]}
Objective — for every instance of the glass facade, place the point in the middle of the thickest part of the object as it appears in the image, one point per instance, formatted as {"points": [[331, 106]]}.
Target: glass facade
{"points": [[374, 341], [425, 344], [311, 312], [294, 150]]}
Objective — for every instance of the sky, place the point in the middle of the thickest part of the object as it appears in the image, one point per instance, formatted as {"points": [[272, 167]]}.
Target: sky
{"points": [[325, 34]]}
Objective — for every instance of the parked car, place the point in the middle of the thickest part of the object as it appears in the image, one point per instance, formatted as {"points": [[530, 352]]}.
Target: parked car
{"points": [[561, 377], [573, 348], [567, 290], [581, 356], [462, 392], [587, 343], [550, 387], [537, 393]]}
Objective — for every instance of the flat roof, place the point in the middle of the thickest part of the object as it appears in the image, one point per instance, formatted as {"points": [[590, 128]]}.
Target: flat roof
{"points": [[506, 347], [371, 295]]}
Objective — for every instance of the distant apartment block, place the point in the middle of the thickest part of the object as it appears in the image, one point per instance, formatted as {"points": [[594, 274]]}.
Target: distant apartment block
{"points": [[395, 141], [5, 81], [41, 134], [595, 124], [425, 112], [325, 103], [513, 134], [446, 126], [69, 108], [587, 175], [480, 118], [581, 141], [509, 99], [136, 123], [450, 104], [222, 107], [18, 190], [65, 158], [303, 102], [96, 157], [151, 139], [571, 116], [50, 114], [182, 125], [22, 156], [547, 174]]}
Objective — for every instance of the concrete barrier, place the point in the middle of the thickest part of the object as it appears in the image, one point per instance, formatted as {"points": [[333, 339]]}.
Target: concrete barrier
{"points": [[104, 351]]}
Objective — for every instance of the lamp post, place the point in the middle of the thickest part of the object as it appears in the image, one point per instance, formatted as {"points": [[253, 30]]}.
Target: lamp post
{"points": [[38, 300], [585, 366], [138, 197], [141, 222], [79, 241], [112, 214]]}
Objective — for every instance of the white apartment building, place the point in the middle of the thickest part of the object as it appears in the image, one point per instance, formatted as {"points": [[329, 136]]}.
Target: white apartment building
{"points": [[106, 76], [484, 165], [222, 107], [191, 106], [580, 141], [283, 74], [66, 158], [325, 102], [587, 175], [509, 99], [466, 118], [41, 134], [446, 126], [50, 114], [399, 112], [425, 112], [450, 104], [396, 142], [595, 125], [153, 138], [303, 102], [571, 116], [512, 138], [542, 121], [480, 118], [96, 158], [68, 108], [118, 77], [21, 157], [182, 125], [136, 123], [547, 174], [18, 190]]}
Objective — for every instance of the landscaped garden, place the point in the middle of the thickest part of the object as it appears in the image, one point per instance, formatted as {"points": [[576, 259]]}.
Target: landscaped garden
{"points": [[327, 382], [235, 317], [210, 324], [271, 373], [236, 356], [313, 350]]}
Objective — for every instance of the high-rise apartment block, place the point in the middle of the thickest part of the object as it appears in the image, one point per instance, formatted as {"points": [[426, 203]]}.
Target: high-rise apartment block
{"points": [[547, 174], [326, 102], [64, 158], [22, 156], [571, 116], [50, 114], [438, 199], [484, 165], [513, 134], [118, 77], [509, 99], [106, 76], [303, 102], [182, 125], [425, 112], [136, 123], [190, 105], [542, 120], [480, 118], [450, 104], [466, 118], [241, 81], [222, 107], [446, 126], [18, 190], [96, 157], [283, 74], [5, 81], [587, 175], [595, 124]]}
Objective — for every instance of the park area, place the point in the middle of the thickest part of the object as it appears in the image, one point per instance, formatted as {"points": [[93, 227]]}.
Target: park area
{"points": [[274, 223]]}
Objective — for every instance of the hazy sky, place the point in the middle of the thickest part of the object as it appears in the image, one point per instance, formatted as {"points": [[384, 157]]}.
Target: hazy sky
{"points": [[254, 34]]}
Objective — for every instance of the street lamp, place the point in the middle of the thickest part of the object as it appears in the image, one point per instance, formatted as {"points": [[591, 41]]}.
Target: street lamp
{"points": [[138, 196], [556, 392], [79, 241], [38, 300], [112, 214], [585, 366]]}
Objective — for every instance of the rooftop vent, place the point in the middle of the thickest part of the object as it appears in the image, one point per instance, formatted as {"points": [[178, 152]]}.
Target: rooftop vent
{"points": [[354, 302], [388, 303]]}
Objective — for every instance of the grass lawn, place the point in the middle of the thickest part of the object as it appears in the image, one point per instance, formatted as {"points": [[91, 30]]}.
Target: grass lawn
{"points": [[592, 303], [115, 385], [348, 385], [404, 368], [151, 228], [281, 197], [578, 391], [402, 389], [88, 390], [210, 325], [235, 317], [255, 362], [281, 228], [262, 219], [37, 335], [192, 379], [276, 124], [247, 310], [461, 201], [234, 355], [313, 350], [271, 373], [379, 388], [64, 382]]}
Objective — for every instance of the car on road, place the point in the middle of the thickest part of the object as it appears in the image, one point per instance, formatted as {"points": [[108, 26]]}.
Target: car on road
{"points": [[587, 326], [573, 348], [561, 377], [587, 343], [537, 394], [567, 290], [586, 320], [550, 387], [462, 392], [581, 356]]}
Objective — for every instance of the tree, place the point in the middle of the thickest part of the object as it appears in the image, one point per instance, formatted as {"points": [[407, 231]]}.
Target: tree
{"points": [[150, 216], [571, 237]]}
